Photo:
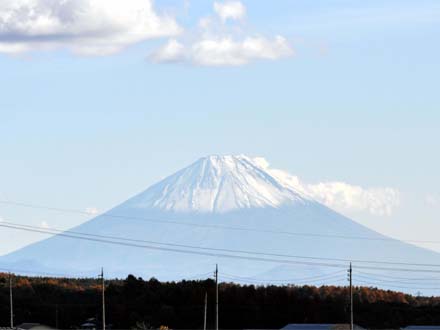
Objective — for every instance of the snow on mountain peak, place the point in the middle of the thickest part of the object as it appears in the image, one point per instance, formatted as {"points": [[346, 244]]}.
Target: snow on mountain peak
{"points": [[220, 184]]}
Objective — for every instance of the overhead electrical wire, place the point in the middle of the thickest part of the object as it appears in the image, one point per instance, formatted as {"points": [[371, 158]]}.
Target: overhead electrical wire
{"points": [[87, 275], [370, 283], [365, 277], [362, 277], [41, 274], [202, 251], [398, 278], [287, 280], [169, 249], [292, 281], [200, 276], [235, 228], [120, 238], [333, 279]]}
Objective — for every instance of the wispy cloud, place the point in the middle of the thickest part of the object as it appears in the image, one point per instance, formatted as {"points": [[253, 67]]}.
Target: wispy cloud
{"points": [[86, 27], [215, 44]]}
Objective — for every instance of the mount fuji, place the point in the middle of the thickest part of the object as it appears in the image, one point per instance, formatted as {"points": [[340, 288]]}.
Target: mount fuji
{"points": [[257, 224]]}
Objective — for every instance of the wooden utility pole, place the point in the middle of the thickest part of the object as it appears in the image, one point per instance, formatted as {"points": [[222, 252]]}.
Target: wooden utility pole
{"points": [[11, 301], [216, 297], [350, 274], [206, 311], [103, 299]]}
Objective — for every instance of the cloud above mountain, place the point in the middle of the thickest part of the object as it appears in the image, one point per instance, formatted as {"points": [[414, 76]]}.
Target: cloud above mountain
{"points": [[352, 198], [341, 196], [215, 43], [85, 27]]}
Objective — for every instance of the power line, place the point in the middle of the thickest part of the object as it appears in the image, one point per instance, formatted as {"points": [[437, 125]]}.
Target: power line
{"points": [[292, 281], [318, 277], [86, 275], [334, 281], [59, 232], [231, 256], [391, 281], [42, 274], [235, 228], [399, 278], [76, 276], [396, 286], [65, 234], [199, 276], [250, 280], [119, 238]]}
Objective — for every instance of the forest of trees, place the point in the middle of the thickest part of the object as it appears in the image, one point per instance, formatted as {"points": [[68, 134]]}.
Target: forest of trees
{"points": [[180, 305]]}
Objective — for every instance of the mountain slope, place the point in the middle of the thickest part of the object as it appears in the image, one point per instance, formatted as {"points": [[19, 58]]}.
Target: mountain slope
{"points": [[224, 203]]}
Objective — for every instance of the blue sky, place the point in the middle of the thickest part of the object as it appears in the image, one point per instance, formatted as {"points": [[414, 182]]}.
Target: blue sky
{"points": [[350, 94]]}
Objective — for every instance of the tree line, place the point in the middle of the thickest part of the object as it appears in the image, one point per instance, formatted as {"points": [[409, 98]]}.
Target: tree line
{"points": [[137, 303]]}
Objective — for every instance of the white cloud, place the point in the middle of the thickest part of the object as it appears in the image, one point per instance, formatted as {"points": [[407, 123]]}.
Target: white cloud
{"points": [[215, 44], [87, 27], [229, 52], [92, 210], [224, 51], [233, 10], [172, 51], [341, 196], [347, 197], [44, 225]]}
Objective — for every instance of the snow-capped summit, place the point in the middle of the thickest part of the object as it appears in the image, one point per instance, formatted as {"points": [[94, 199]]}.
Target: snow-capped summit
{"points": [[220, 184]]}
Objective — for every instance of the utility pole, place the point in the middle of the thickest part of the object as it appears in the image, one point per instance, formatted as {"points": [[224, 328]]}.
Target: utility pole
{"points": [[216, 297], [11, 301], [206, 311], [103, 299], [350, 277]]}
